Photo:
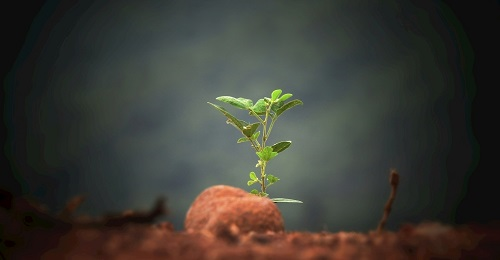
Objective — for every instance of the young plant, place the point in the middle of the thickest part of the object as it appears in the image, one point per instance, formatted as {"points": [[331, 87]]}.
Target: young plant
{"points": [[266, 110]]}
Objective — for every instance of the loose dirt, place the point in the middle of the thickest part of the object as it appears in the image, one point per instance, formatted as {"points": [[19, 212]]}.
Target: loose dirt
{"points": [[27, 232]]}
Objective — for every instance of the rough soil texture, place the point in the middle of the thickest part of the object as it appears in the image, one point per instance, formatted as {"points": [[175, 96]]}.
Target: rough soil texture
{"points": [[221, 208], [26, 232]]}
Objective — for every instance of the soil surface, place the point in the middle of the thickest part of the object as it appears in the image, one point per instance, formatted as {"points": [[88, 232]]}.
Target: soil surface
{"points": [[27, 232]]}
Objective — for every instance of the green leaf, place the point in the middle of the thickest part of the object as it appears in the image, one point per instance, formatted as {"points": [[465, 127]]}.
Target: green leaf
{"points": [[231, 119], [241, 103], [255, 135], [281, 146], [241, 122], [285, 97], [260, 107], [242, 140], [276, 93], [283, 200], [253, 176], [266, 154], [287, 106], [249, 130], [263, 194], [250, 183], [272, 179], [276, 105], [254, 191], [248, 102]]}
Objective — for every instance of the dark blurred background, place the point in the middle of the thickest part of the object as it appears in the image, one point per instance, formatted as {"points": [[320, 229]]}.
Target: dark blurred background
{"points": [[108, 100]]}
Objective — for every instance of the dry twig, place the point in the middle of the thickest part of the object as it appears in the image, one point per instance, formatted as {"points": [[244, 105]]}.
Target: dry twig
{"points": [[394, 181]]}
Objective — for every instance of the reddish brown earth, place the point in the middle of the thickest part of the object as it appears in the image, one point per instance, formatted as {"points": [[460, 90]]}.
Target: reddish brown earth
{"points": [[222, 209], [223, 230]]}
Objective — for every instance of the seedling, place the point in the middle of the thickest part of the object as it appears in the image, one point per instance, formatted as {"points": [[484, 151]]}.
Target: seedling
{"points": [[266, 111]]}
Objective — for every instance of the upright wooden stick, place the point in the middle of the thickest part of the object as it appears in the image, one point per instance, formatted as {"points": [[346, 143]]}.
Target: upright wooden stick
{"points": [[394, 181]]}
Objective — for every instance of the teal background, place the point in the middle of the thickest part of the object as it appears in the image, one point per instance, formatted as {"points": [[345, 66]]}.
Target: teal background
{"points": [[109, 100]]}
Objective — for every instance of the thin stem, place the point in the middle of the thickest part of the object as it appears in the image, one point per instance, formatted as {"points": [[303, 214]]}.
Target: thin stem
{"points": [[254, 145], [265, 131], [271, 125], [265, 135], [263, 176], [257, 116]]}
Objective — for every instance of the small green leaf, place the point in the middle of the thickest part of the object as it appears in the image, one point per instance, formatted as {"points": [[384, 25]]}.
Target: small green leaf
{"points": [[241, 103], [241, 122], [254, 191], [259, 107], [249, 130], [250, 183], [276, 93], [281, 146], [283, 200], [263, 194], [255, 135], [276, 105], [253, 176], [272, 179], [231, 119], [266, 154], [287, 106], [244, 123], [285, 97], [242, 140], [247, 102]]}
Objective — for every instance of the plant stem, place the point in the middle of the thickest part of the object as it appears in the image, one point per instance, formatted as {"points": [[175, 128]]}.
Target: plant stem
{"points": [[265, 135], [254, 145], [271, 126], [258, 148], [263, 176], [264, 132], [257, 116]]}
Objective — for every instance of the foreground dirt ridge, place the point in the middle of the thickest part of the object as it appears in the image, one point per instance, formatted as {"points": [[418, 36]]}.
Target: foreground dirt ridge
{"points": [[220, 225], [424, 241]]}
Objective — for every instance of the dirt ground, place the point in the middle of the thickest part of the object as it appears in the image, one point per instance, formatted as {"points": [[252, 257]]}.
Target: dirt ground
{"points": [[424, 241], [27, 232]]}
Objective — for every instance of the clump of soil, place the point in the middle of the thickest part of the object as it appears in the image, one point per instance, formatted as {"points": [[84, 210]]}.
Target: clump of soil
{"points": [[26, 232], [221, 209]]}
